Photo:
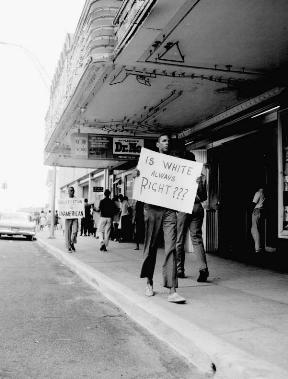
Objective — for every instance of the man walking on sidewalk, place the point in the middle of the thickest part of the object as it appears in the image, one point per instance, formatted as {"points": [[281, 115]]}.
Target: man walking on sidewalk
{"points": [[192, 222], [107, 211], [157, 217], [71, 227]]}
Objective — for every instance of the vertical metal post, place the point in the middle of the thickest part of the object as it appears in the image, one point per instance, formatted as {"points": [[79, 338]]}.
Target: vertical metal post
{"points": [[52, 226]]}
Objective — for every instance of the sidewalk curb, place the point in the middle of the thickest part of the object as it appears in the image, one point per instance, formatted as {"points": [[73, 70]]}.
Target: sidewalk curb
{"points": [[199, 347]]}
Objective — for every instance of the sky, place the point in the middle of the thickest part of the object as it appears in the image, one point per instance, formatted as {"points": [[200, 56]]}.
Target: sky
{"points": [[40, 28]]}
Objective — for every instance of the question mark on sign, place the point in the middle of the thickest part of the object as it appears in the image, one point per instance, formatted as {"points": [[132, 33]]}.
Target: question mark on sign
{"points": [[184, 193], [180, 191], [176, 189]]}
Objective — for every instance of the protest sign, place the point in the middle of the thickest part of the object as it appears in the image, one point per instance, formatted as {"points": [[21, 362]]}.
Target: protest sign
{"points": [[71, 207], [166, 181]]}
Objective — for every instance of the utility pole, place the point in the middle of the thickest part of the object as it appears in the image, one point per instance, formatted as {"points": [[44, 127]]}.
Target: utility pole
{"points": [[52, 226]]}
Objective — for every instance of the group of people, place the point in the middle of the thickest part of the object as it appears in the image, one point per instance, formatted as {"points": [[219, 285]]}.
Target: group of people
{"points": [[118, 216], [88, 222], [113, 219], [150, 220], [44, 220]]}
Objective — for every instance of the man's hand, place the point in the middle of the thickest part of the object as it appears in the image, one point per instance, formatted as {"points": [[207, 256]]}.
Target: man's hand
{"points": [[199, 179], [135, 173]]}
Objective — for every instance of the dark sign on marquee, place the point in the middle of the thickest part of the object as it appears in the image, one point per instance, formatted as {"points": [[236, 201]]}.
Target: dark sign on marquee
{"points": [[99, 147], [98, 189]]}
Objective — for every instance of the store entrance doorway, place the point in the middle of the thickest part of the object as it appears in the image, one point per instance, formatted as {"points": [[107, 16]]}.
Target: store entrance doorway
{"points": [[245, 164]]}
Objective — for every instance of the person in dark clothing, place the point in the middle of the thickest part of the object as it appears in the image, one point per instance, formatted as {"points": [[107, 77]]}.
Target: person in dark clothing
{"points": [[157, 218], [107, 210], [125, 217], [138, 222], [115, 235], [194, 223], [86, 219], [56, 220]]}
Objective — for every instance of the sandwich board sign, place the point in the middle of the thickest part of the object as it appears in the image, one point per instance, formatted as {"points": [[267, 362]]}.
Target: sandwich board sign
{"points": [[71, 207]]}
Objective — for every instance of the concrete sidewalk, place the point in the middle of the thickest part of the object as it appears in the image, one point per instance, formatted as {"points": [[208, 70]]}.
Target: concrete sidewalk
{"points": [[234, 326]]}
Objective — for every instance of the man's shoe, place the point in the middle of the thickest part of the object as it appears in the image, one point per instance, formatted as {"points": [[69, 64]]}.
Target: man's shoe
{"points": [[149, 290], [181, 274], [103, 248], [203, 275], [69, 250], [73, 247], [175, 298]]}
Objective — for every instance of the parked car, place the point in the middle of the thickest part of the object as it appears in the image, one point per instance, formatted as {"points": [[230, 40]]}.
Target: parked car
{"points": [[17, 224]]}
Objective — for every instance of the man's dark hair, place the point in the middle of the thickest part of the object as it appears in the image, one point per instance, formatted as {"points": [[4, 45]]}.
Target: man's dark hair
{"points": [[86, 200], [189, 155], [163, 134], [70, 187], [107, 192]]}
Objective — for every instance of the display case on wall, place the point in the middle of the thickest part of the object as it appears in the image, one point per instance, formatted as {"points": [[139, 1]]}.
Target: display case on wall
{"points": [[283, 174]]}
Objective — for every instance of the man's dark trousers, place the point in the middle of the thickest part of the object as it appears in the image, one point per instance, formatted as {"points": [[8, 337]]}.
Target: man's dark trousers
{"points": [[156, 217]]}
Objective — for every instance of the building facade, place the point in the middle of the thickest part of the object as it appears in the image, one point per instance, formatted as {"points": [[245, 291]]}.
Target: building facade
{"points": [[213, 74]]}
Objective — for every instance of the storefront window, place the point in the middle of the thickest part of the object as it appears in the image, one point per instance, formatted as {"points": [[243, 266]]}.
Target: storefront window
{"points": [[283, 179]]}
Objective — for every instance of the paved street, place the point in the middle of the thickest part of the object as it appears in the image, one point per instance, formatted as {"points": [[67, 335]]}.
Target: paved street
{"points": [[52, 325]]}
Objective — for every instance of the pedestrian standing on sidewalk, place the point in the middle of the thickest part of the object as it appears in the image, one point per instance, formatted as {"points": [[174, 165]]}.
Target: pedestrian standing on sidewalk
{"points": [[138, 223], [107, 211], [116, 219], [96, 218], [71, 227], [42, 220], [157, 218], [56, 220], [258, 220], [125, 217], [192, 222], [86, 219], [49, 220]]}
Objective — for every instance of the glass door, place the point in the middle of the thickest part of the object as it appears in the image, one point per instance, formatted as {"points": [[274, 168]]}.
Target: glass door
{"points": [[283, 174]]}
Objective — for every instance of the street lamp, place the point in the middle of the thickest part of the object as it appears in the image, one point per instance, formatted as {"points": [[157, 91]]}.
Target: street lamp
{"points": [[47, 81], [37, 64]]}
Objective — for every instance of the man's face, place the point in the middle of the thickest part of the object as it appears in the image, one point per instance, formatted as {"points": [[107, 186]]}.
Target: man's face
{"points": [[71, 192], [163, 144]]}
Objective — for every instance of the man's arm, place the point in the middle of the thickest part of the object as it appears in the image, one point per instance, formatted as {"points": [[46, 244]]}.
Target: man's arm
{"points": [[135, 173], [202, 190], [99, 207]]}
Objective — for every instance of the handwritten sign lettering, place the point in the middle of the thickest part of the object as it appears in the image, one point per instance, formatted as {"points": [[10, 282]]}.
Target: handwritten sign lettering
{"points": [[166, 181], [71, 207]]}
